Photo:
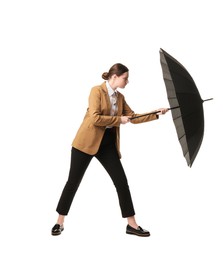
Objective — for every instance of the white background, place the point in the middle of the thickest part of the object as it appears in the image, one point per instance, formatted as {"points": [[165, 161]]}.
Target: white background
{"points": [[51, 54]]}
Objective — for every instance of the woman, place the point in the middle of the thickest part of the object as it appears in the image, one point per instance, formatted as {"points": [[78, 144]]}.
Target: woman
{"points": [[98, 136]]}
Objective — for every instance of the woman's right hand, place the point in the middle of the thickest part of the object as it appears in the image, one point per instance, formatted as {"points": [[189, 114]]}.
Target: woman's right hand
{"points": [[125, 119]]}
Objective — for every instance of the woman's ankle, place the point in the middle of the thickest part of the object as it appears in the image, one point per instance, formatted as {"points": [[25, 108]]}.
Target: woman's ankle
{"points": [[60, 220], [132, 222]]}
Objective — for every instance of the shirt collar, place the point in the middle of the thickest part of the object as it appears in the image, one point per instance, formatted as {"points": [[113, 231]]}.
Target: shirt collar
{"points": [[110, 90]]}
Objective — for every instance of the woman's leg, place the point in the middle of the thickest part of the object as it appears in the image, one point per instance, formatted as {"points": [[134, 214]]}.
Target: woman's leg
{"points": [[108, 157], [79, 164]]}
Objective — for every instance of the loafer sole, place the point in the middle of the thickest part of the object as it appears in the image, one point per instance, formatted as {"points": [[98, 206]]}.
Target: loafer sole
{"points": [[137, 234], [56, 234]]}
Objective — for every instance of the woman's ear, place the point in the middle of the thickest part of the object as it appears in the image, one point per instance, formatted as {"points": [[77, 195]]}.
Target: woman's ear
{"points": [[113, 78]]}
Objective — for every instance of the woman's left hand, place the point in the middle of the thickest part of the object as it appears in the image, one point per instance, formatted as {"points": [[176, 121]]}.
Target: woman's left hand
{"points": [[162, 111]]}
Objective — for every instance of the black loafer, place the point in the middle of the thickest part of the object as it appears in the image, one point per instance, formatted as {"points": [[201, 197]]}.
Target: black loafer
{"points": [[138, 232], [57, 229]]}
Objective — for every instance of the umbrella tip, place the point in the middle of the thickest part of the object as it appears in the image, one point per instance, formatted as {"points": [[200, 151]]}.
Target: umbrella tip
{"points": [[208, 99]]}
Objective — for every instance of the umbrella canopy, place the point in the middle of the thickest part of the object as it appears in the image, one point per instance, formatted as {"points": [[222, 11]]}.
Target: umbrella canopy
{"points": [[184, 97]]}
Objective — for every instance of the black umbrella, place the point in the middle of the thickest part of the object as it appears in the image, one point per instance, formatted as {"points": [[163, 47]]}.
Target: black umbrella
{"points": [[188, 116], [186, 105]]}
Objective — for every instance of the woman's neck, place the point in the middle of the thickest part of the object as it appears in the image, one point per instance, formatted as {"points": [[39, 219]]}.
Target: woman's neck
{"points": [[112, 85]]}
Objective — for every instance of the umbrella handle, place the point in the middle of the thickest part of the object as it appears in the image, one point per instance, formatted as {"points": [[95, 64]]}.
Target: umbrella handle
{"points": [[152, 113]]}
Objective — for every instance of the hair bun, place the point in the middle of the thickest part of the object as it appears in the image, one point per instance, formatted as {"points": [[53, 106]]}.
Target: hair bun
{"points": [[105, 75]]}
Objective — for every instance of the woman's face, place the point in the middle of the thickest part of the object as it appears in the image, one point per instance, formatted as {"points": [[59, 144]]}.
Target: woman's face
{"points": [[122, 81]]}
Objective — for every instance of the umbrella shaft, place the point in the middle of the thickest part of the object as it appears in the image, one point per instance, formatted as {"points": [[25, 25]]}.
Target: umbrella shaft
{"points": [[151, 113], [173, 107]]}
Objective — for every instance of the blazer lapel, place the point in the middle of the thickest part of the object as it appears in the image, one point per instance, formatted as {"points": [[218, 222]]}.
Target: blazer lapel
{"points": [[119, 113], [106, 97], [108, 103]]}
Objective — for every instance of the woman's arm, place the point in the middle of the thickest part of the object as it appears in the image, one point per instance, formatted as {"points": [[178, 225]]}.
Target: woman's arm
{"points": [[127, 111]]}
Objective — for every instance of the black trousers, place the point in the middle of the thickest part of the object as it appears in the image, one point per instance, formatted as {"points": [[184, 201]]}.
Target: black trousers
{"points": [[108, 157]]}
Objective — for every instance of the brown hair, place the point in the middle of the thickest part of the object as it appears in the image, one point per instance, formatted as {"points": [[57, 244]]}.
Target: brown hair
{"points": [[117, 69]]}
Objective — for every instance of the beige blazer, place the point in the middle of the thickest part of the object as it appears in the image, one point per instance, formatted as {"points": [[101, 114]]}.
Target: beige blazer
{"points": [[97, 117]]}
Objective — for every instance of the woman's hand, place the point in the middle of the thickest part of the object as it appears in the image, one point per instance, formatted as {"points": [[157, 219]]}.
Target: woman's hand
{"points": [[162, 111], [125, 119]]}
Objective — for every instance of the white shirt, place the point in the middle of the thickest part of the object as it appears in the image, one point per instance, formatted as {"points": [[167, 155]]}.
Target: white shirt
{"points": [[111, 92]]}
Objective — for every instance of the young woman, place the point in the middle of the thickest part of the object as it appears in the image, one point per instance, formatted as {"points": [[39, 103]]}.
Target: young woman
{"points": [[98, 136]]}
